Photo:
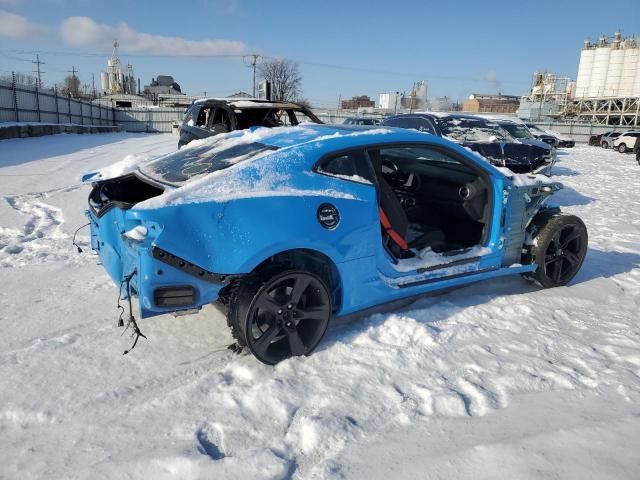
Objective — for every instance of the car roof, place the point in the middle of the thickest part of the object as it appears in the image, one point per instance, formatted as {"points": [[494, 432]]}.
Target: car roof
{"points": [[334, 137], [248, 103]]}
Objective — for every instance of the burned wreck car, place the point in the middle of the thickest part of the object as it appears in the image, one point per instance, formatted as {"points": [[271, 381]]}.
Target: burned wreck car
{"points": [[212, 116], [483, 136], [286, 228]]}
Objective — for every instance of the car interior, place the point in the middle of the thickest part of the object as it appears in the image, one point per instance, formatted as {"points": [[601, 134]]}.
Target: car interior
{"points": [[428, 199]]}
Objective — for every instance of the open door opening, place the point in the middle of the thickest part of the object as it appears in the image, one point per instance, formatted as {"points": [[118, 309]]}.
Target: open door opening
{"points": [[429, 202]]}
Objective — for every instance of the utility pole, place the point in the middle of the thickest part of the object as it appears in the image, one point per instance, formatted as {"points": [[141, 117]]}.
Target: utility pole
{"points": [[38, 71], [73, 73], [252, 63], [93, 85]]}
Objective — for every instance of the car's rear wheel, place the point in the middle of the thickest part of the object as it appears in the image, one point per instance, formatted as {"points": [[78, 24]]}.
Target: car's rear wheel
{"points": [[559, 248], [622, 148], [282, 314]]}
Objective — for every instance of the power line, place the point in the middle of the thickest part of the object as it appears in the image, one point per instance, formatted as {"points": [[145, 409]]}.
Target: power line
{"points": [[355, 68]]}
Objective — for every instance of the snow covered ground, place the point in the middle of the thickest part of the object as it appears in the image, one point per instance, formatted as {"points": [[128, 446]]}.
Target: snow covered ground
{"points": [[495, 380]]}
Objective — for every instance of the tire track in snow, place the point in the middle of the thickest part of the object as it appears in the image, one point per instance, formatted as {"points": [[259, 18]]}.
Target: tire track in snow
{"points": [[41, 238]]}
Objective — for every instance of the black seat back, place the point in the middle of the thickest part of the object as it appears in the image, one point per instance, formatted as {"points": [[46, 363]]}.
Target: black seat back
{"points": [[387, 199]]}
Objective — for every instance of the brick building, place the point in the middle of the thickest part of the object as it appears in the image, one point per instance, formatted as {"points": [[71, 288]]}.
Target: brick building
{"points": [[358, 102], [482, 102]]}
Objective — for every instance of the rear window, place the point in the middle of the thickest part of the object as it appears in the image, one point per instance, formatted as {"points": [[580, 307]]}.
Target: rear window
{"points": [[185, 164]]}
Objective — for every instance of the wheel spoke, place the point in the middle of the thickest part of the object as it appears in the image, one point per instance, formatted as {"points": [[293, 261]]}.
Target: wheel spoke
{"points": [[299, 287], [266, 302], [557, 270], [314, 313], [295, 343], [571, 257], [263, 342], [571, 237]]}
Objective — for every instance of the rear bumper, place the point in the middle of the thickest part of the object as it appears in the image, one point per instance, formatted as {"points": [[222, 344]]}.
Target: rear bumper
{"points": [[162, 282]]}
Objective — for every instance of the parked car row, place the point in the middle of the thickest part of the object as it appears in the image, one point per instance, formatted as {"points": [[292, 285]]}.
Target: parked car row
{"points": [[519, 151], [623, 142]]}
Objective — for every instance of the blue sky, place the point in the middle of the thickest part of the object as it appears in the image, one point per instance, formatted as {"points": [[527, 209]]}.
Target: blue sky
{"points": [[345, 47]]}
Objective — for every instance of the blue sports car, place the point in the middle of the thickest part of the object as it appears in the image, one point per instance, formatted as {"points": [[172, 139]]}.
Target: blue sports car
{"points": [[285, 228]]}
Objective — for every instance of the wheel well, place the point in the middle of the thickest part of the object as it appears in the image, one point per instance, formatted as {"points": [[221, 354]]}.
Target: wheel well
{"points": [[311, 261]]}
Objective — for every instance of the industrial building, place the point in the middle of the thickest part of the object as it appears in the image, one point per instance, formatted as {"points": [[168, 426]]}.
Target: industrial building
{"points": [[164, 84], [397, 102], [115, 79], [363, 101], [608, 84], [548, 97], [491, 103]]}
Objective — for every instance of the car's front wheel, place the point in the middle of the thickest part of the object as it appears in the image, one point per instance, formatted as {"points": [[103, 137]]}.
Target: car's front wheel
{"points": [[622, 148], [605, 145], [280, 314], [559, 247]]}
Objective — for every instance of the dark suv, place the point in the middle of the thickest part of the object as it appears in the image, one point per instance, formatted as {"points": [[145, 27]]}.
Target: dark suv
{"points": [[220, 115], [483, 136]]}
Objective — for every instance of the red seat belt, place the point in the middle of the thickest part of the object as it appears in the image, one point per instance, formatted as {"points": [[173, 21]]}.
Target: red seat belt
{"points": [[395, 236]]}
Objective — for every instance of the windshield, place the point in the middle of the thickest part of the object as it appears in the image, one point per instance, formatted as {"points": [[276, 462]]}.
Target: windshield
{"points": [[473, 130], [516, 130], [539, 131], [185, 164]]}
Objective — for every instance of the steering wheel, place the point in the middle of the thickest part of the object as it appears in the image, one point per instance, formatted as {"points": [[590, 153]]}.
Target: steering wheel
{"points": [[389, 168]]}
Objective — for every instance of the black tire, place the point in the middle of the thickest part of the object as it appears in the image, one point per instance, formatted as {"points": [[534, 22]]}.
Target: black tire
{"points": [[559, 248], [280, 313], [605, 145], [622, 148]]}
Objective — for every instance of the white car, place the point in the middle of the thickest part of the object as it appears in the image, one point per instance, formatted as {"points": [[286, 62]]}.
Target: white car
{"points": [[626, 141]]}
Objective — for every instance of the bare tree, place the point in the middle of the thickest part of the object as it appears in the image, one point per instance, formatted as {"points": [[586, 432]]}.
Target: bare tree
{"points": [[285, 78], [70, 86], [21, 78]]}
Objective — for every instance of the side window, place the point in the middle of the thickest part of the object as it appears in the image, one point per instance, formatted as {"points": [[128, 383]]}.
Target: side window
{"points": [[203, 117], [413, 123], [188, 118], [353, 166], [298, 117], [424, 155]]}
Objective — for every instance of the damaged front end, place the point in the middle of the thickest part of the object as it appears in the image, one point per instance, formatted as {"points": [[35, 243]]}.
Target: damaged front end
{"points": [[137, 253], [517, 157]]}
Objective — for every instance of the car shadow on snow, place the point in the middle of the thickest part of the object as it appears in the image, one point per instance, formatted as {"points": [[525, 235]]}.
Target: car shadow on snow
{"points": [[17, 151], [564, 172], [443, 304], [570, 197], [602, 264]]}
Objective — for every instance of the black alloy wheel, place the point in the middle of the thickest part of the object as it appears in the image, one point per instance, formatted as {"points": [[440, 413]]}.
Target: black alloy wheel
{"points": [[563, 255], [560, 246], [287, 317]]}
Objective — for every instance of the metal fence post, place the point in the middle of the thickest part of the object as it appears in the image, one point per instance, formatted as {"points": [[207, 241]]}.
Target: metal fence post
{"points": [[15, 96], [69, 106], [38, 102], [57, 106]]}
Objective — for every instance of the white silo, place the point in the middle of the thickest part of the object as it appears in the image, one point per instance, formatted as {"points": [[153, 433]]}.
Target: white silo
{"points": [[636, 83], [630, 68], [104, 81], [614, 73], [584, 70], [600, 68]]}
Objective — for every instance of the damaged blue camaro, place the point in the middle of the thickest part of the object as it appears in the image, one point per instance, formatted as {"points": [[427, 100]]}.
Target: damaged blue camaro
{"points": [[286, 228]]}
